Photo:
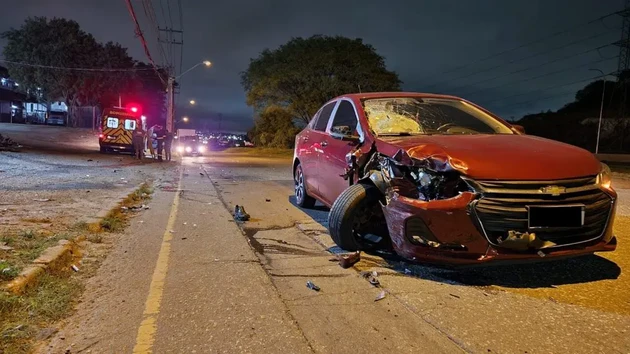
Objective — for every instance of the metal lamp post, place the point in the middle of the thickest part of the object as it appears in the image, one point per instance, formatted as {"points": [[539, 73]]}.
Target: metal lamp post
{"points": [[601, 110]]}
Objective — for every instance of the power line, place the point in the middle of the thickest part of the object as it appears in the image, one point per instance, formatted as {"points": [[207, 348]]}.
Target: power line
{"points": [[528, 57], [539, 76], [73, 69], [149, 11], [181, 27], [570, 56], [142, 40], [541, 39], [545, 89]]}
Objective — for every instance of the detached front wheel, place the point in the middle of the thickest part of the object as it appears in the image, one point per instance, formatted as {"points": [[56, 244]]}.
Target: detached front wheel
{"points": [[356, 221]]}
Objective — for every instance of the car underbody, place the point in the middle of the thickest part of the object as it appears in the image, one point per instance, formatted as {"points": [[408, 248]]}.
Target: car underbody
{"points": [[435, 213]]}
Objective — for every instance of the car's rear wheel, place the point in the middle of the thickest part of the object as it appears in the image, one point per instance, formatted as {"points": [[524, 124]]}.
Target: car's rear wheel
{"points": [[356, 221], [301, 197]]}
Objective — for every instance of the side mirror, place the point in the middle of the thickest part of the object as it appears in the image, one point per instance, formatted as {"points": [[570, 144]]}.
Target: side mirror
{"points": [[519, 128], [343, 132]]}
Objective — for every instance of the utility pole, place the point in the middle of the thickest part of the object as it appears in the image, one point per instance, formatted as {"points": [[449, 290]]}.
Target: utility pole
{"points": [[170, 103], [170, 85]]}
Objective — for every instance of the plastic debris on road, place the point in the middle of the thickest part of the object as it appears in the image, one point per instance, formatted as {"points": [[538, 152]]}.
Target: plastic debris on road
{"points": [[267, 200], [380, 296], [42, 200], [312, 286], [371, 277], [75, 268], [240, 214]]}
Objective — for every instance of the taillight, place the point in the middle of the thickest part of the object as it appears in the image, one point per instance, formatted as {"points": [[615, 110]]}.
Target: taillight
{"points": [[100, 136]]}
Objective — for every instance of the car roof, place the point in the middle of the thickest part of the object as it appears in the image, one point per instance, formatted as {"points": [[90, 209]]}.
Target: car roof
{"points": [[360, 96]]}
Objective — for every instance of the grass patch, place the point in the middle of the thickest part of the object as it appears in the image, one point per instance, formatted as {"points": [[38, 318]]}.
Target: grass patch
{"points": [[21, 317], [117, 219], [8, 271]]}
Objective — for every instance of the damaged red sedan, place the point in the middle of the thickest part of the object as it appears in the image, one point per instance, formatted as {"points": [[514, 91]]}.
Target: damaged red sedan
{"points": [[439, 179]]}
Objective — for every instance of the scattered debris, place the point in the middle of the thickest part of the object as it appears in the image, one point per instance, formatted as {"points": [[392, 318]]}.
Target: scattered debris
{"points": [[75, 268], [194, 225], [184, 238], [541, 253], [312, 286], [372, 277], [90, 160], [240, 214], [267, 200], [349, 259], [42, 200], [407, 271], [4, 247], [201, 173], [456, 296], [523, 241], [185, 223], [6, 144], [380, 296]]}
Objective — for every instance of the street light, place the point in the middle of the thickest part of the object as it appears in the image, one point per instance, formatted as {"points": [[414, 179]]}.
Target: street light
{"points": [[185, 119], [601, 110], [207, 63], [192, 102]]}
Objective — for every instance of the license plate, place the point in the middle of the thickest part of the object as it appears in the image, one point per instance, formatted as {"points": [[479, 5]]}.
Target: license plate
{"points": [[560, 216]]}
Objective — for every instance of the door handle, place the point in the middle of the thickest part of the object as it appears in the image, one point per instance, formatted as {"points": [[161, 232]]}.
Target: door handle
{"points": [[324, 143]]}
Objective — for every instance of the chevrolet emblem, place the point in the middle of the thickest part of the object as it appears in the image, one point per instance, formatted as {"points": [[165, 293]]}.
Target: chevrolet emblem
{"points": [[553, 190]]}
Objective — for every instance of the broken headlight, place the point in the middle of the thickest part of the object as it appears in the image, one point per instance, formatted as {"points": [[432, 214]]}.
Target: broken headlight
{"points": [[438, 185], [604, 178]]}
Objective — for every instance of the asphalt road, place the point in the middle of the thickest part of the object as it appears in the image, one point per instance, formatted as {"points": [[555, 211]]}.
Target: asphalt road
{"points": [[186, 278]]}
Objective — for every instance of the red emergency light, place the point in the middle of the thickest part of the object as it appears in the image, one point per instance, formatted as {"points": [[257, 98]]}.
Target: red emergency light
{"points": [[133, 107]]}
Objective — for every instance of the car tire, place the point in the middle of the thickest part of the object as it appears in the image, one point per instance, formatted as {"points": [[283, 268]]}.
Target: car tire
{"points": [[355, 205], [301, 196], [103, 150]]}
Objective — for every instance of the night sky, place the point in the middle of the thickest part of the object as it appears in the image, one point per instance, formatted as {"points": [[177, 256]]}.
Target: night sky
{"points": [[421, 40]]}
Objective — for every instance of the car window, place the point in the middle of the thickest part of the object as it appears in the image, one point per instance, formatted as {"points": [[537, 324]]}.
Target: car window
{"points": [[112, 122], [345, 116], [130, 124], [324, 116]]}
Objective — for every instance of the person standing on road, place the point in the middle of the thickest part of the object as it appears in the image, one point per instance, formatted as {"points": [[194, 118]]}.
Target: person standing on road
{"points": [[138, 142], [150, 133], [168, 142], [161, 135]]}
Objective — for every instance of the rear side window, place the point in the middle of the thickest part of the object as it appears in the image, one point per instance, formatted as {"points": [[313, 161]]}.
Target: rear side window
{"points": [[322, 121], [112, 122], [130, 124], [345, 116]]}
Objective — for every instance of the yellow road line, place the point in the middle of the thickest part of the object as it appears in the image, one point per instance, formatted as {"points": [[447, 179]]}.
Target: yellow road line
{"points": [[148, 327]]}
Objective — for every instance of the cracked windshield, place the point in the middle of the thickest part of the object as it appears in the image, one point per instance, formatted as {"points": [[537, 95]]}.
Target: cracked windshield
{"points": [[427, 116]]}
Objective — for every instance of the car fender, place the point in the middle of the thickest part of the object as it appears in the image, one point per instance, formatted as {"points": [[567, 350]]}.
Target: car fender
{"points": [[377, 179]]}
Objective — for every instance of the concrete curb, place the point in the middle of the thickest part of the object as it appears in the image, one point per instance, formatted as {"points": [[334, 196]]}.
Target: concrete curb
{"points": [[53, 260]]}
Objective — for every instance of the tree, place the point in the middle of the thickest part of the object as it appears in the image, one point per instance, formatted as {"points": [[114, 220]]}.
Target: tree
{"points": [[301, 75], [274, 128], [55, 43]]}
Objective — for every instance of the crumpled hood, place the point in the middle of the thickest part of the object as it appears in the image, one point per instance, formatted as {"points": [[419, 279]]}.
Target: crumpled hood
{"points": [[500, 157]]}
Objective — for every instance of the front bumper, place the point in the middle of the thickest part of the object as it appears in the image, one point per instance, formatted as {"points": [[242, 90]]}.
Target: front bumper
{"points": [[451, 231]]}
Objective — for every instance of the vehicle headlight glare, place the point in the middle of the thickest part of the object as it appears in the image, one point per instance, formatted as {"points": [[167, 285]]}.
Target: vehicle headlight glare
{"points": [[604, 178], [188, 149], [202, 148], [180, 149]]}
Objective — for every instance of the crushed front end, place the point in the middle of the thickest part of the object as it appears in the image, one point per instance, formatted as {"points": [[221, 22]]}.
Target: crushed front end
{"points": [[435, 213]]}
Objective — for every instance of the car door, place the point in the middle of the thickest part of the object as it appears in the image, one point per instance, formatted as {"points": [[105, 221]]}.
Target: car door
{"points": [[332, 159], [311, 143]]}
